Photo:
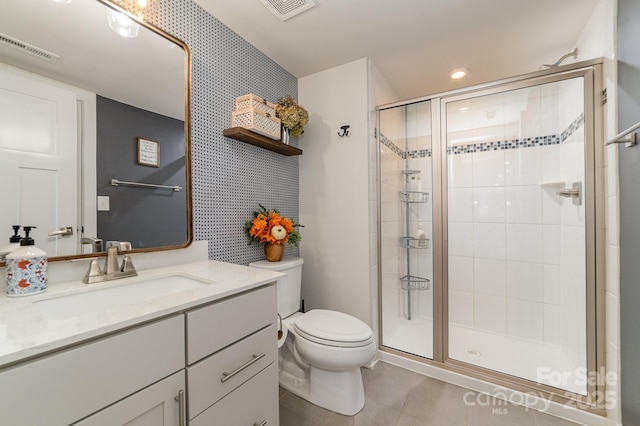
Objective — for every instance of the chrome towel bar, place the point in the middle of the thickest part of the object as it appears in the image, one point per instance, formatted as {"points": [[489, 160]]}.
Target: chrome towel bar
{"points": [[628, 136], [116, 182]]}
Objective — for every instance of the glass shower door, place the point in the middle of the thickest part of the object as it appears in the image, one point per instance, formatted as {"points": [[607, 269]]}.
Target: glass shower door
{"points": [[515, 219], [406, 262]]}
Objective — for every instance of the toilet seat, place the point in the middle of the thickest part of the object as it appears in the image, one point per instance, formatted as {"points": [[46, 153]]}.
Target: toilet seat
{"points": [[332, 328]]}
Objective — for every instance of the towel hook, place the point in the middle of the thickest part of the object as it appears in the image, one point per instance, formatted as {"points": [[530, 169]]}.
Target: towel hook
{"points": [[345, 131]]}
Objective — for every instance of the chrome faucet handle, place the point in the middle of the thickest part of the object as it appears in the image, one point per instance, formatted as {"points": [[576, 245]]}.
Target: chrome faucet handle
{"points": [[94, 273], [127, 265]]}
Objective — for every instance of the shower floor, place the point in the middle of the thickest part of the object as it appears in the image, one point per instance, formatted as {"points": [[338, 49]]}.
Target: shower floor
{"points": [[527, 359]]}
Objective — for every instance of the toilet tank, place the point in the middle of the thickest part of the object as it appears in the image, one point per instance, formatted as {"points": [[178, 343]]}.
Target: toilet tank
{"points": [[288, 287]]}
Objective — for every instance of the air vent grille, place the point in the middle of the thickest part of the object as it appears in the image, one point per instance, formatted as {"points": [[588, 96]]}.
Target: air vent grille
{"points": [[27, 48], [287, 9]]}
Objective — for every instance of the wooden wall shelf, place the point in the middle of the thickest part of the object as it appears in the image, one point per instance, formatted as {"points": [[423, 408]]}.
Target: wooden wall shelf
{"points": [[255, 139]]}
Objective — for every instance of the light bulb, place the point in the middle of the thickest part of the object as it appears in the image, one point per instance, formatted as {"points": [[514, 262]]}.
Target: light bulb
{"points": [[122, 24], [458, 73]]}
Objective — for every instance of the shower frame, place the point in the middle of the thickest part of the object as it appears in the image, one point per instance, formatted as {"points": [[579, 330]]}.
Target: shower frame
{"points": [[594, 100]]}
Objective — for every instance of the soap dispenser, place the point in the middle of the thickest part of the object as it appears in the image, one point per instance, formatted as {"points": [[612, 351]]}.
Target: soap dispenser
{"points": [[26, 268], [14, 243]]}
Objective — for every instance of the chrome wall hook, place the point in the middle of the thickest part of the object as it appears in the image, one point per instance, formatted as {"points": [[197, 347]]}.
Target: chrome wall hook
{"points": [[345, 131]]}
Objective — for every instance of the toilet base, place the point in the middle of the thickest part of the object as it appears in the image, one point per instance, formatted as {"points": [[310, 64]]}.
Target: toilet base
{"points": [[338, 391]]}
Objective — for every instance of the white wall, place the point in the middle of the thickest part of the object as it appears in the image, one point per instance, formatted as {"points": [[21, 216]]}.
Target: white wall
{"points": [[335, 191]]}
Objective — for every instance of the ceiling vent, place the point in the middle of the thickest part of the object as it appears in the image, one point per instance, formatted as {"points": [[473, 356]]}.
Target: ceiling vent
{"points": [[287, 9], [5, 40]]}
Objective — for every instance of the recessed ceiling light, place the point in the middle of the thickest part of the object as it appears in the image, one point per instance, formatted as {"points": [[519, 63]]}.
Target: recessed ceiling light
{"points": [[458, 73], [62, 1]]}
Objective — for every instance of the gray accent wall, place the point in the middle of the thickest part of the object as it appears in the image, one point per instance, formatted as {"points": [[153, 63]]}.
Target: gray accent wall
{"points": [[229, 178], [143, 216], [629, 166]]}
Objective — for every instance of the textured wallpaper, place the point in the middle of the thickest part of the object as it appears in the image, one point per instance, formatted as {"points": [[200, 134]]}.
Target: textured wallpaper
{"points": [[229, 177]]}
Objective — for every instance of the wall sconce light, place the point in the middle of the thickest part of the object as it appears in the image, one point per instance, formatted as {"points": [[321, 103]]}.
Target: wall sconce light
{"points": [[345, 131]]}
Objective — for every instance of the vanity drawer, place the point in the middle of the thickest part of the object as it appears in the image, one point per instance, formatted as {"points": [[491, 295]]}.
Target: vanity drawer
{"points": [[253, 403], [244, 358], [213, 327], [62, 388]]}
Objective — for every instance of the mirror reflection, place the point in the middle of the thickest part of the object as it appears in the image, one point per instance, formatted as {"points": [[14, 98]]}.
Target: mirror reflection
{"points": [[93, 129]]}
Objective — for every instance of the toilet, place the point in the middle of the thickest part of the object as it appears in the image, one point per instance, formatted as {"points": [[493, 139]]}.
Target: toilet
{"points": [[321, 351]]}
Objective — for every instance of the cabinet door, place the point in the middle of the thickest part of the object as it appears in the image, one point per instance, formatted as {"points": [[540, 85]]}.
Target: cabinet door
{"points": [[157, 405]]}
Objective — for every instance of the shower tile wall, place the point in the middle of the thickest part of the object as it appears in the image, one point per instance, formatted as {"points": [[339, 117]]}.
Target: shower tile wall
{"points": [[514, 244]]}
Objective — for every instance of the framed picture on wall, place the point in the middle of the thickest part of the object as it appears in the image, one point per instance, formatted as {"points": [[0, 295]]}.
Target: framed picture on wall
{"points": [[148, 152]]}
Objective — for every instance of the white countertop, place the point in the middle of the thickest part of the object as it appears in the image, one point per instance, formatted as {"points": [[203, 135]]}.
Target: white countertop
{"points": [[25, 331]]}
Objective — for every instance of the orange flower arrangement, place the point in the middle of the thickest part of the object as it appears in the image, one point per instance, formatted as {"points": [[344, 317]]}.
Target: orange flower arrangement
{"points": [[271, 228]]}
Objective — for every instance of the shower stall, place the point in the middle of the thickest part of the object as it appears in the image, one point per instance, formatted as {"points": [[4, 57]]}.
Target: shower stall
{"points": [[489, 230]]}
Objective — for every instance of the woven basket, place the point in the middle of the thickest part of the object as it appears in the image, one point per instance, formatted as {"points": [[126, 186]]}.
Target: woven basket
{"points": [[257, 121], [256, 102]]}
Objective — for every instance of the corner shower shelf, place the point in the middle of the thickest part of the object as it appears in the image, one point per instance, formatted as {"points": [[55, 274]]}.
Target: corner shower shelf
{"points": [[247, 136], [414, 197], [413, 283], [414, 243]]}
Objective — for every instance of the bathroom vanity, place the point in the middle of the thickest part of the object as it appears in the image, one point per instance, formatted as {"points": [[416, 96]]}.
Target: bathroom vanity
{"points": [[200, 350]]}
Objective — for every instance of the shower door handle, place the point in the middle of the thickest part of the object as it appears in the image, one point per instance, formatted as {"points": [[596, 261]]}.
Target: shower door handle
{"points": [[575, 192]]}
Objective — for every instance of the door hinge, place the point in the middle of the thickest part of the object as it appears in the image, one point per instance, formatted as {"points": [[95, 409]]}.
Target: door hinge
{"points": [[604, 96], [375, 132]]}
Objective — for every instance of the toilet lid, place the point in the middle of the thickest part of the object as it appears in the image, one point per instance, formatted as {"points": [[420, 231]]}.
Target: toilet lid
{"points": [[333, 328]]}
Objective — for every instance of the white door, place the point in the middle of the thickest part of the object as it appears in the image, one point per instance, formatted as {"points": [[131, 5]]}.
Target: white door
{"points": [[38, 160]]}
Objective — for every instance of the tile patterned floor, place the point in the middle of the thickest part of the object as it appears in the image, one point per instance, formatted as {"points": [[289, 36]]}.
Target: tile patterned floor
{"points": [[398, 397]]}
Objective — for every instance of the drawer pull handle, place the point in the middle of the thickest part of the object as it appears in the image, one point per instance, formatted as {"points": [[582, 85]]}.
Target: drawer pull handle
{"points": [[180, 399], [264, 423], [254, 358]]}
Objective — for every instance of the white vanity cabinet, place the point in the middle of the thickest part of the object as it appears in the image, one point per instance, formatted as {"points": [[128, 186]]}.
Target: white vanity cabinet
{"points": [[226, 351]]}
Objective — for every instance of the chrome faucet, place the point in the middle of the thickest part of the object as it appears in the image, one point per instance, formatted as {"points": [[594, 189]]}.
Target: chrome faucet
{"points": [[111, 270]]}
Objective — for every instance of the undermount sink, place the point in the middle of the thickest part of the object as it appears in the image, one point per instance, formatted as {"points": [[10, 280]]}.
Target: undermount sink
{"points": [[133, 291]]}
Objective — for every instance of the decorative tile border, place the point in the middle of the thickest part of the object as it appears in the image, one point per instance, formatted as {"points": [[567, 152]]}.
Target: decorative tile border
{"points": [[507, 144], [393, 147], [572, 128], [420, 153], [492, 146]]}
